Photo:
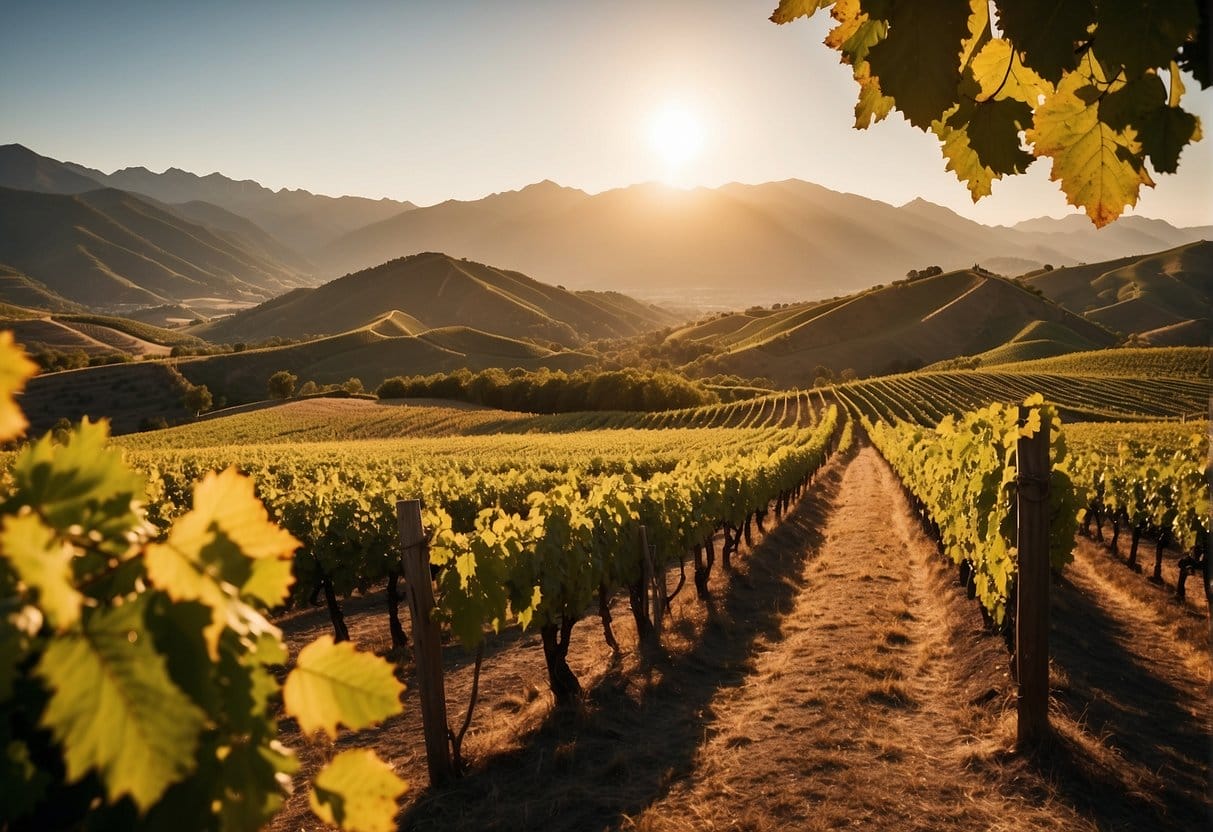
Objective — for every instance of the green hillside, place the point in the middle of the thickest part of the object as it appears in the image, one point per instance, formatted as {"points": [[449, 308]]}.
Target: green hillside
{"points": [[435, 291]]}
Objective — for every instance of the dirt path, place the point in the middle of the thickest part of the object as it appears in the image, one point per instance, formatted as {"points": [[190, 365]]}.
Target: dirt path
{"points": [[851, 716]]}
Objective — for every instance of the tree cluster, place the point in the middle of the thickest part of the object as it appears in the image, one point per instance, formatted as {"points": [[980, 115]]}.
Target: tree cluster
{"points": [[547, 391]]}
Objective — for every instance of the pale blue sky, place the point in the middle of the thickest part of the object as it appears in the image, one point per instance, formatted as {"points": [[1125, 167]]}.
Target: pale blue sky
{"points": [[434, 100]]}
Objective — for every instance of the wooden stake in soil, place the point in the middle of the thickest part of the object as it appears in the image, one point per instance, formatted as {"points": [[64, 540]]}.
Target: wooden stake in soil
{"points": [[654, 582], [1032, 610], [427, 639]]}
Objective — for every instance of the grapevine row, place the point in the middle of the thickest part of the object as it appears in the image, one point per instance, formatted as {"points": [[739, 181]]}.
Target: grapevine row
{"points": [[961, 476]]}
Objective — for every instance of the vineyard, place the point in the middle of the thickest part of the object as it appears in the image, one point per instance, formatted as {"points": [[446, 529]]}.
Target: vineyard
{"points": [[533, 525]]}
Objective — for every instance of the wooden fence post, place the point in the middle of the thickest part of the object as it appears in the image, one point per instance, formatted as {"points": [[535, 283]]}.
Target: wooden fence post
{"points": [[427, 639], [1032, 610]]}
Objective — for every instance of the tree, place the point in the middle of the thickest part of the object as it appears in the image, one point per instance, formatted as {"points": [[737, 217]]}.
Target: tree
{"points": [[198, 399], [282, 384], [353, 386], [1082, 79]]}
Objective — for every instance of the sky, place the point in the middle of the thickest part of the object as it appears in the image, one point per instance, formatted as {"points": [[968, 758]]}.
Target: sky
{"points": [[428, 101]]}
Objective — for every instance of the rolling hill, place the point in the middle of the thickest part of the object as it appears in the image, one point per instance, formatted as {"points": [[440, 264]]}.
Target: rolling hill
{"points": [[1164, 298], [108, 249], [20, 289], [430, 290], [371, 357], [904, 326]]}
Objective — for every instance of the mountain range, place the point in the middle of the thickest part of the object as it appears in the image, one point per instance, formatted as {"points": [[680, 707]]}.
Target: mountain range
{"points": [[731, 246], [736, 244]]}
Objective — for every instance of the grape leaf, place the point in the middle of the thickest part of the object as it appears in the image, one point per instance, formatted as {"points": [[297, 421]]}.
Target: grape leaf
{"points": [[1142, 34], [43, 562], [253, 778], [334, 683], [993, 129], [24, 782], [114, 709], [789, 10], [1047, 32], [1099, 168], [82, 483], [963, 160], [357, 791], [873, 105], [1163, 128], [856, 33], [15, 370], [918, 61], [979, 31], [1001, 75], [213, 551], [1194, 55]]}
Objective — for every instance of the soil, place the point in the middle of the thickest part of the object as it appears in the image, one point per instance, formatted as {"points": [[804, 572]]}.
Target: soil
{"points": [[838, 678]]}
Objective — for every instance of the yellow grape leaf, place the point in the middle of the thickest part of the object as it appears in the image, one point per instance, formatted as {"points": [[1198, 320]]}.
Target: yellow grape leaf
{"points": [[789, 10], [358, 792], [1099, 168], [224, 546], [1001, 75], [335, 684], [873, 105], [979, 30], [963, 160], [1031, 425], [15, 370], [43, 562]]}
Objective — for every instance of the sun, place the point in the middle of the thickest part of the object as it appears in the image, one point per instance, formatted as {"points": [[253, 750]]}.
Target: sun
{"points": [[676, 135]]}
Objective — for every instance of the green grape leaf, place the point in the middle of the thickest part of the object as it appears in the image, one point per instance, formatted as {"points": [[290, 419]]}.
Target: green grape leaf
{"points": [[114, 710], [43, 562], [358, 792], [81, 483], [1162, 127], [789, 10], [1142, 34], [1047, 32], [15, 370], [212, 553], [918, 62], [335, 684], [992, 129], [24, 782], [254, 777], [1099, 168], [1001, 75]]}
